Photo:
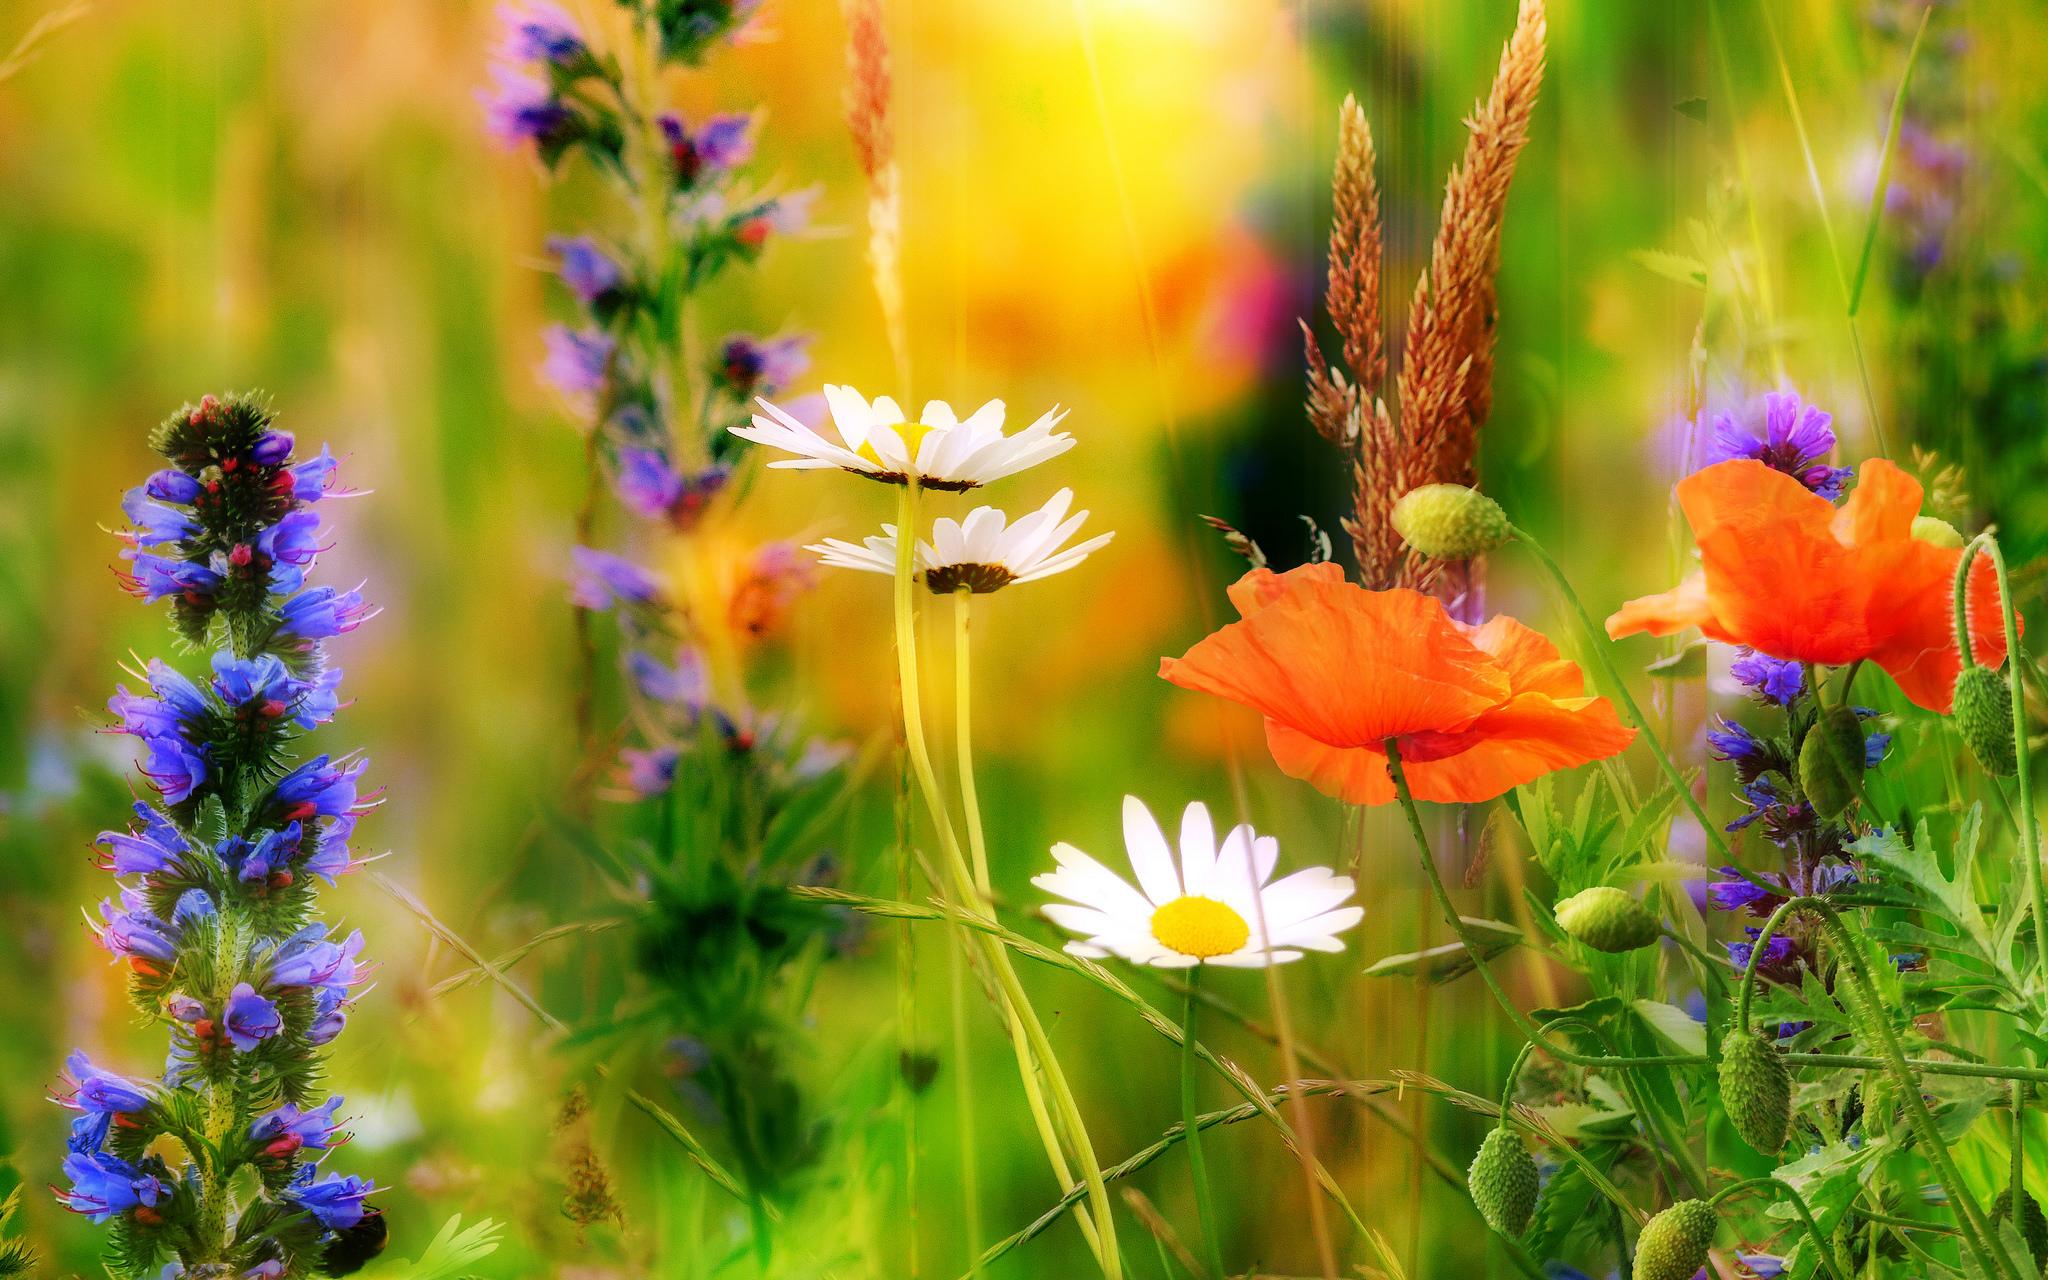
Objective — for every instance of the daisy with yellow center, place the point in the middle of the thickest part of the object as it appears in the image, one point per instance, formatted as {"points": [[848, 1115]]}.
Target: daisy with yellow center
{"points": [[985, 552], [938, 449], [1215, 904]]}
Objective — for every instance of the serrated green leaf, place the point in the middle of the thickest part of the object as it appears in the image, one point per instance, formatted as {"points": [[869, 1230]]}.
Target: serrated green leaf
{"points": [[1674, 267]]}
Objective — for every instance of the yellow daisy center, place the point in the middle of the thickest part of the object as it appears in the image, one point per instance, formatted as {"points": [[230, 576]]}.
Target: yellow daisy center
{"points": [[911, 433], [1199, 927]]}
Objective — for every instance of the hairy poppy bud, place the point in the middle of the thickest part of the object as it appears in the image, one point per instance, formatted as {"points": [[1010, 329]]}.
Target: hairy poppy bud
{"points": [[1936, 530], [1983, 712], [1606, 919], [2033, 1225], [1757, 1091], [1503, 1183], [1450, 521], [1674, 1244], [1831, 762]]}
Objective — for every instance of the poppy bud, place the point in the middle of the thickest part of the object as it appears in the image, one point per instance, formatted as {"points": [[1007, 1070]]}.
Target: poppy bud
{"points": [[2033, 1225], [1983, 712], [1606, 919], [1831, 762], [1935, 530], [1673, 1246], [1757, 1091], [1503, 1181], [1450, 521]]}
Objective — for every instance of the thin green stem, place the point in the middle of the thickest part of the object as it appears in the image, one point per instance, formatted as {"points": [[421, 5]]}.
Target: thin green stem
{"points": [[963, 1100], [1521, 1020], [2030, 845], [1191, 1118], [1786, 1191], [1033, 1047], [1596, 646], [1884, 164], [963, 736], [1872, 1020]]}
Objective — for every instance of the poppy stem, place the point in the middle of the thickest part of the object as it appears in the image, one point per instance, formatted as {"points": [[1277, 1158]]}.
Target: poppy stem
{"points": [[1530, 1031], [1596, 645], [1191, 1117], [2023, 765], [1873, 1021]]}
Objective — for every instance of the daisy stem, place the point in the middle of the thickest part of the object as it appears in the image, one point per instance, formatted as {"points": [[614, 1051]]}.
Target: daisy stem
{"points": [[1596, 644], [1033, 1047], [963, 733], [1205, 1204], [2023, 772]]}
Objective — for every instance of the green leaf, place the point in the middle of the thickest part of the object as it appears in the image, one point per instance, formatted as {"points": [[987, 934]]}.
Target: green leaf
{"points": [[1443, 963], [1672, 1025], [1694, 109], [1686, 664], [1675, 267]]}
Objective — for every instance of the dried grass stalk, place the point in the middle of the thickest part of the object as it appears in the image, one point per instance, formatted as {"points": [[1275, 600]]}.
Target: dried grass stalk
{"points": [[869, 97], [1446, 380], [1447, 369]]}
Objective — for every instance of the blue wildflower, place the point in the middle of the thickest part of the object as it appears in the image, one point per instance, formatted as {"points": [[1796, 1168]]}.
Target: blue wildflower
{"points": [[317, 787], [154, 523], [102, 1186], [750, 366], [1772, 679], [541, 33], [602, 579], [313, 479], [156, 846], [1798, 439], [1737, 894], [1730, 741], [322, 613], [100, 1092], [578, 360], [336, 1200], [248, 1018], [686, 684], [154, 577], [172, 485], [591, 274], [288, 1129]]}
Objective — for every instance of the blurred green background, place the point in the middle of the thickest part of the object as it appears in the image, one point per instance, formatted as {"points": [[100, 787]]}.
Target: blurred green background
{"points": [[301, 198]]}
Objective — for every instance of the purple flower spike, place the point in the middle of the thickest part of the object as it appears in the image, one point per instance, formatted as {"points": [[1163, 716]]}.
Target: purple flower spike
{"points": [[578, 360]]}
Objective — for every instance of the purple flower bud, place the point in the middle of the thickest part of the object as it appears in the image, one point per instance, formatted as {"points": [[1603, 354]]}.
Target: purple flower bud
{"points": [[590, 272], [271, 448], [577, 360], [601, 579], [172, 485]]}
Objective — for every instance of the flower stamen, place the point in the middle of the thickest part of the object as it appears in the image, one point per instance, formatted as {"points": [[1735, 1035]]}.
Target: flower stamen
{"points": [[1200, 927]]}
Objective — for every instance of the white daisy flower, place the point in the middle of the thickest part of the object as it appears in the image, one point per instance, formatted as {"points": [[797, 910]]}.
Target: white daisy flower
{"points": [[939, 450], [984, 552], [1207, 910]]}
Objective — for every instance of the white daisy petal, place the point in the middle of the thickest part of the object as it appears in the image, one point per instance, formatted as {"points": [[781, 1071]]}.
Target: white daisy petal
{"points": [[1197, 849], [1150, 858]]}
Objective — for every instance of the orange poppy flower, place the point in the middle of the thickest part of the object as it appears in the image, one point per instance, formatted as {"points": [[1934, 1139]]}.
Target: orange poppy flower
{"points": [[1788, 573], [1337, 670]]}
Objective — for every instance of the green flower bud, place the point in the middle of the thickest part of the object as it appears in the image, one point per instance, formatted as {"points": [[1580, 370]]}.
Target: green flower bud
{"points": [[1938, 531], [1756, 1089], [1502, 1180], [2033, 1223], [1674, 1244], [1831, 762], [1983, 712], [1450, 521], [1606, 919]]}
